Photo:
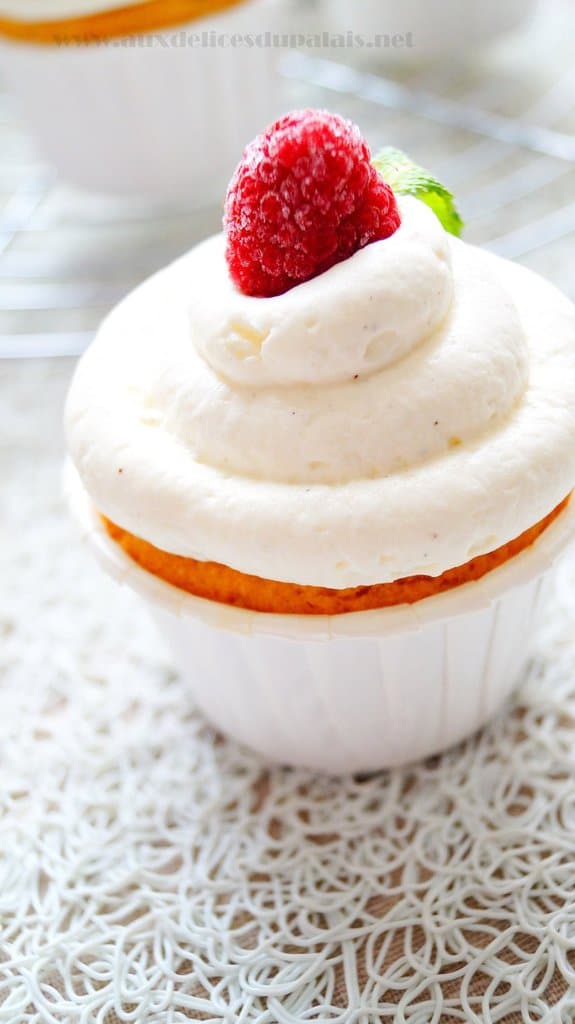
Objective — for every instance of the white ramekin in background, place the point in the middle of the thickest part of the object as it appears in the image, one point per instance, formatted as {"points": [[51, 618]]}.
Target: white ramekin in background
{"points": [[437, 27], [355, 692], [134, 117]]}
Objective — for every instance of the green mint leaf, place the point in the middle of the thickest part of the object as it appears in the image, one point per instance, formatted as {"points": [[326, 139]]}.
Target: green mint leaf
{"points": [[406, 178]]}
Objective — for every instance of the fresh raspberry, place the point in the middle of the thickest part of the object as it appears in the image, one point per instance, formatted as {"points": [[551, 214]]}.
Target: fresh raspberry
{"points": [[304, 197]]}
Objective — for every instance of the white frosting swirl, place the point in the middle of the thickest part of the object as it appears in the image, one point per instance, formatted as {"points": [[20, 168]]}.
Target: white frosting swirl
{"points": [[357, 318], [410, 408]]}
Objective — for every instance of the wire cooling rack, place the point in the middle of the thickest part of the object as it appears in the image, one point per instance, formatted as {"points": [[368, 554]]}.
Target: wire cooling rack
{"points": [[499, 130]]}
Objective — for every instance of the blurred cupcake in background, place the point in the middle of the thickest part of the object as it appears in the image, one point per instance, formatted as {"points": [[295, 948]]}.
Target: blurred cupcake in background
{"points": [[151, 98]]}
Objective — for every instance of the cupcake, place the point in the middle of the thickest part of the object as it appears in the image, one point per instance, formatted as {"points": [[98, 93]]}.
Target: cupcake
{"points": [[333, 448], [142, 98]]}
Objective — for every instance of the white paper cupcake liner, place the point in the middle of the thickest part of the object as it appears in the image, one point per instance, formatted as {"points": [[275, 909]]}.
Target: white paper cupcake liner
{"points": [[356, 692], [169, 122]]}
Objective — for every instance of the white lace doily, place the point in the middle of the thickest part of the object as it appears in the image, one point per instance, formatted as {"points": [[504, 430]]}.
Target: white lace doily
{"points": [[152, 873]]}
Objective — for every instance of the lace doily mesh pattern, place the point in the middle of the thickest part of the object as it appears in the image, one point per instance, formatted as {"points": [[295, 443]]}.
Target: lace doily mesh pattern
{"points": [[153, 872]]}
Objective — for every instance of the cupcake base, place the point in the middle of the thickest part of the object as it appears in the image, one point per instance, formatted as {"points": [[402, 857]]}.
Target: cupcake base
{"points": [[357, 704], [228, 586], [356, 692]]}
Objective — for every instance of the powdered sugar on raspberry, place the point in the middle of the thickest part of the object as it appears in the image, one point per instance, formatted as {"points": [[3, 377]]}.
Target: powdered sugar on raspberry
{"points": [[304, 197]]}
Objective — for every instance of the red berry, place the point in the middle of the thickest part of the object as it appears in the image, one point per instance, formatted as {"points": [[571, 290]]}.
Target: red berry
{"points": [[304, 197]]}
